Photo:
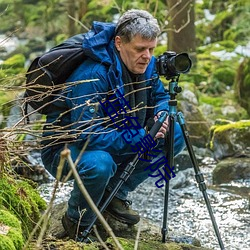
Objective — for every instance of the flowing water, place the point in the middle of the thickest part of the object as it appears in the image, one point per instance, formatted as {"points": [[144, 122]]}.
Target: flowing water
{"points": [[187, 212]]}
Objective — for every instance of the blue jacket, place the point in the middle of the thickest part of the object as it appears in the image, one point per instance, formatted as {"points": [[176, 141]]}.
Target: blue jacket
{"points": [[86, 119]]}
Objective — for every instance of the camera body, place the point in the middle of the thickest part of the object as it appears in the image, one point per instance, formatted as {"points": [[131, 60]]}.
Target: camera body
{"points": [[171, 65]]}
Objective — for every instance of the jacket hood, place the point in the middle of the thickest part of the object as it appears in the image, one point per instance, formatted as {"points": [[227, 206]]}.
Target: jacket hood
{"points": [[98, 43]]}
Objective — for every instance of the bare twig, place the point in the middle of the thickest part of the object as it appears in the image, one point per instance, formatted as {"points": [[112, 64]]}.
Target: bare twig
{"points": [[66, 154], [77, 21], [137, 236], [99, 238], [46, 216]]}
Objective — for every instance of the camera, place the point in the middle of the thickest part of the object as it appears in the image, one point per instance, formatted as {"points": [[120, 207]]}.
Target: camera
{"points": [[171, 65]]}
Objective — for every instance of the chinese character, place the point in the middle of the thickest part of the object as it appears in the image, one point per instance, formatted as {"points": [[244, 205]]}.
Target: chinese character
{"points": [[114, 107], [131, 125], [163, 176], [146, 144], [157, 165]]}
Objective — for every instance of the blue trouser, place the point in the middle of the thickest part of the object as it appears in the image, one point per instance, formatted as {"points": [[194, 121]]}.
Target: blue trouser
{"points": [[100, 170]]}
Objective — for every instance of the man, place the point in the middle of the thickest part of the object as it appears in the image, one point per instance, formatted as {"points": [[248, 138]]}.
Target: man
{"points": [[121, 69]]}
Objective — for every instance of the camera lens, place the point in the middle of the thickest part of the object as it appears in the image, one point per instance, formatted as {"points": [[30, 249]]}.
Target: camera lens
{"points": [[182, 63]]}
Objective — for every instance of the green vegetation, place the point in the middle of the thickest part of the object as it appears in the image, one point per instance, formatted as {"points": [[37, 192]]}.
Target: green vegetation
{"points": [[22, 201], [238, 129], [11, 237]]}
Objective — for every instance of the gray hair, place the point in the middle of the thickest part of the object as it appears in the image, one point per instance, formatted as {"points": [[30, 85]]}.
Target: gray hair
{"points": [[137, 22]]}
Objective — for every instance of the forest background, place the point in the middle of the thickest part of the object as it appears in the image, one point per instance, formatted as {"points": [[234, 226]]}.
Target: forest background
{"points": [[214, 33]]}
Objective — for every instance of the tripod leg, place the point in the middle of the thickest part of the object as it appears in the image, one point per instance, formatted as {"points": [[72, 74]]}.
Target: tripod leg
{"points": [[125, 175], [199, 176], [164, 229], [170, 158]]}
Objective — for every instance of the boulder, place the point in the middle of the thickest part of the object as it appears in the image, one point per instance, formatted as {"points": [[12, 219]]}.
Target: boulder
{"points": [[150, 235], [231, 169], [231, 139], [197, 125]]}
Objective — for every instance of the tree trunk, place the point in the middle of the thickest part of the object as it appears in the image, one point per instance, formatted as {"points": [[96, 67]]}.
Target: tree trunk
{"points": [[71, 6], [83, 7], [181, 27]]}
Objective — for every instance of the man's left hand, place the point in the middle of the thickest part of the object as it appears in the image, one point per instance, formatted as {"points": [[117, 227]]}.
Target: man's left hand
{"points": [[164, 128]]}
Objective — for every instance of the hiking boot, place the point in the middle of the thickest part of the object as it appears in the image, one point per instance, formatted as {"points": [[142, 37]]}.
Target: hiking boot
{"points": [[75, 231], [121, 211]]}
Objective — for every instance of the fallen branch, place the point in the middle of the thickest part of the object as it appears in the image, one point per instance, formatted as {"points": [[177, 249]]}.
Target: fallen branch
{"points": [[66, 155]]}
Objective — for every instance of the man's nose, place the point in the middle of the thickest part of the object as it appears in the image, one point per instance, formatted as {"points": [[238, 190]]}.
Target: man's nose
{"points": [[146, 54]]}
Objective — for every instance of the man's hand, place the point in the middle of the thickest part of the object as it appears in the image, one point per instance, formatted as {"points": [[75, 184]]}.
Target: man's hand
{"points": [[164, 128]]}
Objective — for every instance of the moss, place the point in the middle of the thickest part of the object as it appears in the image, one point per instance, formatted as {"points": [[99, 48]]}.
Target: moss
{"points": [[128, 244], [225, 75], [16, 237], [9, 219], [214, 101], [6, 243], [21, 199], [235, 125], [242, 84], [220, 132], [16, 61], [13, 239]]}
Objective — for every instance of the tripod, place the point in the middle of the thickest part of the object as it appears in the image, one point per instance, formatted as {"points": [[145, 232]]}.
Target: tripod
{"points": [[173, 90], [125, 174]]}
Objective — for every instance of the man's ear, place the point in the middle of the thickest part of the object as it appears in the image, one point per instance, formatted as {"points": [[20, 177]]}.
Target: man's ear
{"points": [[118, 42]]}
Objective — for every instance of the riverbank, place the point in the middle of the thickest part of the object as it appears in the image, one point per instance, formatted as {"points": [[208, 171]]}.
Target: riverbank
{"points": [[187, 213]]}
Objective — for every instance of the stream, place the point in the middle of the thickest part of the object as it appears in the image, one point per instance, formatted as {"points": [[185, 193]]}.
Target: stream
{"points": [[187, 212]]}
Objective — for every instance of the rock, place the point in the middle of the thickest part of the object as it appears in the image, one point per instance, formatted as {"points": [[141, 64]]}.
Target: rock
{"points": [[197, 125], [231, 139], [188, 95], [149, 238], [231, 169]]}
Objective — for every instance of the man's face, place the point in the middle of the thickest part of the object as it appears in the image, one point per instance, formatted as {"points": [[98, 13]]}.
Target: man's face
{"points": [[137, 53]]}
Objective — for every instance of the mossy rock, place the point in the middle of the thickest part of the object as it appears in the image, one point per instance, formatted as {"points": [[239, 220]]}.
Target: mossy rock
{"points": [[128, 244], [197, 125], [232, 139], [10, 231], [22, 200], [219, 107], [231, 169]]}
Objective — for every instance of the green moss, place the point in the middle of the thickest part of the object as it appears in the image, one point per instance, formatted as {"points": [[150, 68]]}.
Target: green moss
{"points": [[212, 100], [16, 61], [16, 237], [128, 244], [21, 199], [236, 125], [225, 75], [219, 131], [6, 243], [13, 239], [9, 219]]}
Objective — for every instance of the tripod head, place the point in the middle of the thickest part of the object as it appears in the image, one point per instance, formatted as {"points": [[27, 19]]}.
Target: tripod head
{"points": [[174, 89]]}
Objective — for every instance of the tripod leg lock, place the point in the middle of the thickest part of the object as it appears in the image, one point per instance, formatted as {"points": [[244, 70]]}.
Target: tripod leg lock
{"points": [[200, 180]]}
